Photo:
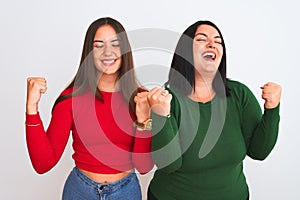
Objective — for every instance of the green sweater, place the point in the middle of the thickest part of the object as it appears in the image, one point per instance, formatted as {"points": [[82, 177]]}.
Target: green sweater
{"points": [[199, 150]]}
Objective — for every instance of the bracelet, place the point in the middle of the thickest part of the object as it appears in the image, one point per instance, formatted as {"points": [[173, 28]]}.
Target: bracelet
{"points": [[145, 126], [32, 124]]}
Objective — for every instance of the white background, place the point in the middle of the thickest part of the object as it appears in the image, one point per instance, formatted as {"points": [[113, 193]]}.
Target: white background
{"points": [[44, 38]]}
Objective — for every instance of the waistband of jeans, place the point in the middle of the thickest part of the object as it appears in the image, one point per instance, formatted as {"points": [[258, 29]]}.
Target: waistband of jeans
{"points": [[112, 186]]}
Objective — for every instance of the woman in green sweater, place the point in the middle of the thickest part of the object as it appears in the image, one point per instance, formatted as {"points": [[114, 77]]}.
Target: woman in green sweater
{"points": [[204, 125]]}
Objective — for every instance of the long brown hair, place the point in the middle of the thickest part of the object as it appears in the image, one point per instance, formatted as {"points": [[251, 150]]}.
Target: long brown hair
{"points": [[86, 77]]}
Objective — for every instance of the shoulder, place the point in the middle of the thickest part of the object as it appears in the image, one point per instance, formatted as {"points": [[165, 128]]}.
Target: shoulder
{"points": [[240, 92], [63, 101], [67, 91], [237, 86]]}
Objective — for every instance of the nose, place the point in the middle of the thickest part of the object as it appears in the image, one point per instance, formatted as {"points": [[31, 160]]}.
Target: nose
{"points": [[211, 45], [107, 50]]}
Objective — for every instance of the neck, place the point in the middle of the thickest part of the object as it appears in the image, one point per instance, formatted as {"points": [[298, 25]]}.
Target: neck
{"points": [[203, 82], [203, 90], [108, 83]]}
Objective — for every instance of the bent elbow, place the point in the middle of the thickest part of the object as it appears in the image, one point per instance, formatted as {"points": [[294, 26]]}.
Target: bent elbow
{"points": [[258, 156], [40, 171]]}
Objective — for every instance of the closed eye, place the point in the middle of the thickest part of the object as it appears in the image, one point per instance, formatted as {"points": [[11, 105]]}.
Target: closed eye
{"points": [[115, 44], [98, 46], [201, 40]]}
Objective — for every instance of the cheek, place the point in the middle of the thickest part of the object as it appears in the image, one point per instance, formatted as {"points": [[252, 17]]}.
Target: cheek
{"points": [[197, 52], [95, 55], [118, 52], [119, 62], [220, 54], [198, 49], [96, 60]]}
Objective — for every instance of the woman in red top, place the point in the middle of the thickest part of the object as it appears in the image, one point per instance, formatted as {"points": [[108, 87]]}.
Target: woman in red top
{"points": [[99, 107]]}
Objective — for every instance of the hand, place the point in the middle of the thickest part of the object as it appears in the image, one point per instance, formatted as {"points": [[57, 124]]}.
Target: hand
{"points": [[36, 86], [160, 101], [271, 93], [142, 108]]}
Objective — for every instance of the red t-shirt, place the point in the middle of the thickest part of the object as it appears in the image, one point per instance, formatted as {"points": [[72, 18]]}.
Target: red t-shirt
{"points": [[104, 139]]}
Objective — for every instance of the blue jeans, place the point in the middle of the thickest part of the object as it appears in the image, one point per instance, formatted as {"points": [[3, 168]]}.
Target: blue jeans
{"points": [[80, 187]]}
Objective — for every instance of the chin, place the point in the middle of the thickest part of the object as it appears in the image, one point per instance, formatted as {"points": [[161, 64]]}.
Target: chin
{"points": [[108, 69]]}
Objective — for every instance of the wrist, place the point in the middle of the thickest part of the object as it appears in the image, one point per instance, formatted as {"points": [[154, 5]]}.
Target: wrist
{"points": [[31, 109], [159, 110], [142, 119], [161, 115]]}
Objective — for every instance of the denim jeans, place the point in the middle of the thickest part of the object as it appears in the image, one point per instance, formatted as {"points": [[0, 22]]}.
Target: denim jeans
{"points": [[80, 187]]}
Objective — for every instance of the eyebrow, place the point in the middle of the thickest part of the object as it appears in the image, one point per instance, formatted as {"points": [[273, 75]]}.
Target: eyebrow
{"points": [[98, 41], [114, 40], [206, 35]]}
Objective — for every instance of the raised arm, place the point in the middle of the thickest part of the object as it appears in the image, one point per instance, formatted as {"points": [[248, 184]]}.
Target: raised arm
{"points": [[45, 147], [261, 131], [141, 156], [166, 149]]}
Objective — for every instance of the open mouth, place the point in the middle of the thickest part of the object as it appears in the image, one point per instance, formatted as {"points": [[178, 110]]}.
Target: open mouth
{"points": [[209, 56], [108, 62]]}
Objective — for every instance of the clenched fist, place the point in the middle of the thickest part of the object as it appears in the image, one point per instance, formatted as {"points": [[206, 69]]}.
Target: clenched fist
{"points": [[36, 86], [160, 101], [142, 109], [271, 93]]}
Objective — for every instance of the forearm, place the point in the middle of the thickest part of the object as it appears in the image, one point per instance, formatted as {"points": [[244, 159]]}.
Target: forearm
{"points": [[46, 147], [166, 151], [141, 155], [39, 148], [265, 136], [31, 109]]}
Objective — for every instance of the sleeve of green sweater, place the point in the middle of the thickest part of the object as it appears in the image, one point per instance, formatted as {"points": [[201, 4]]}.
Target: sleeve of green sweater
{"points": [[260, 130], [166, 149]]}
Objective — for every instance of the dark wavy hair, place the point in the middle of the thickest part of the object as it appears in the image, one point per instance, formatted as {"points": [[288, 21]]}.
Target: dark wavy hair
{"points": [[87, 75], [183, 64]]}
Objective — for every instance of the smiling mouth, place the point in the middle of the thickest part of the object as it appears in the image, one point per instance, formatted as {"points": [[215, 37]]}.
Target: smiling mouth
{"points": [[108, 62], [209, 56]]}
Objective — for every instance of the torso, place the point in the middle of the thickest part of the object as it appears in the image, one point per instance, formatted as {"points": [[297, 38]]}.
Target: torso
{"points": [[105, 178]]}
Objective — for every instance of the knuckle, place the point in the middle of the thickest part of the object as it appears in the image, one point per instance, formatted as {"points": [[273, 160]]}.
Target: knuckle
{"points": [[32, 82]]}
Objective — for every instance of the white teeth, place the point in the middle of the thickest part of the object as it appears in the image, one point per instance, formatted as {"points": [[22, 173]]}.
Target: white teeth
{"points": [[209, 55], [108, 62]]}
